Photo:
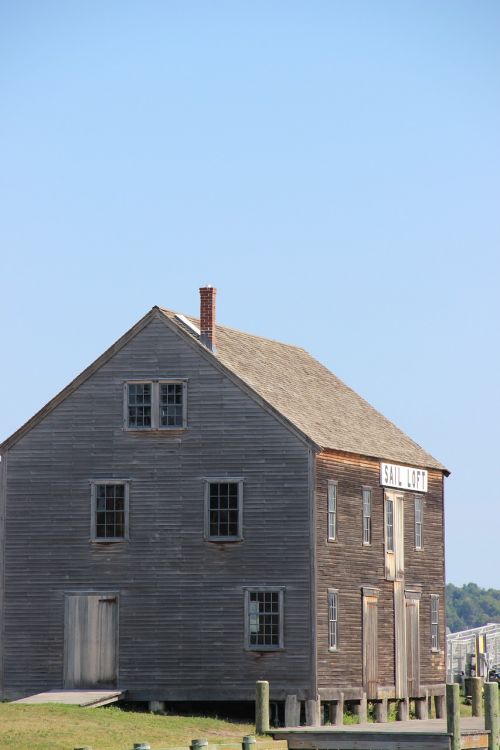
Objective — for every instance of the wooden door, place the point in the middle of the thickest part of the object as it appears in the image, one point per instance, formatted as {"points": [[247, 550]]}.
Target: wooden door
{"points": [[394, 535], [90, 641], [413, 643], [370, 642], [400, 650]]}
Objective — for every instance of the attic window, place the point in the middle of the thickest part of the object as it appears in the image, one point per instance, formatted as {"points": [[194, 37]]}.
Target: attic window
{"points": [[139, 405], [155, 405], [171, 405]]}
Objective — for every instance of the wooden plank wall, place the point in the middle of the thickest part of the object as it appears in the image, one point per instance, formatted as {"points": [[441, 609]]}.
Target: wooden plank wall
{"points": [[347, 565], [427, 567], [181, 598]]}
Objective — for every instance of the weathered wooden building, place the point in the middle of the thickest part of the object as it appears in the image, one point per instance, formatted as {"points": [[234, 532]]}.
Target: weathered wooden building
{"points": [[202, 508]]}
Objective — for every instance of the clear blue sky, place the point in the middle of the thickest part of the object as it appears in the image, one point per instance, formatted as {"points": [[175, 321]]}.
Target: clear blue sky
{"points": [[332, 167]]}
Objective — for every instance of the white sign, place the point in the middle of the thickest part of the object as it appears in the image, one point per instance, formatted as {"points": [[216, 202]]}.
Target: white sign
{"points": [[403, 477]]}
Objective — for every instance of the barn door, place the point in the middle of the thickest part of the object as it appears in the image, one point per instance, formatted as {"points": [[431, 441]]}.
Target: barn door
{"points": [[370, 641], [412, 599], [91, 644]]}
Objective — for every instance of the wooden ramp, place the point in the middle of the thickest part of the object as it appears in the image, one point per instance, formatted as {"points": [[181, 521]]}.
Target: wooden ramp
{"points": [[395, 735], [83, 698]]}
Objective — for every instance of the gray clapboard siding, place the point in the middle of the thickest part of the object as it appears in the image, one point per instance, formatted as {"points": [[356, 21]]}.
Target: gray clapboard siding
{"points": [[3, 500], [181, 598]]}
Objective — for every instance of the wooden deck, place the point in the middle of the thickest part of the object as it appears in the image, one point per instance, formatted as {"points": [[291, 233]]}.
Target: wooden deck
{"points": [[396, 735], [83, 698]]}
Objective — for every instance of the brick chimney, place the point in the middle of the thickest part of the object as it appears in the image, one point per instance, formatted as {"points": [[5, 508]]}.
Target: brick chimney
{"points": [[207, 316]]}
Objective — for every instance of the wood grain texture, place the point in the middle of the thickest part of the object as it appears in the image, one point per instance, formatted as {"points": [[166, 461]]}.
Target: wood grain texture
{"points": [[3, 501], [91, 641], [181, 597], [348, 565], [370, 645]]}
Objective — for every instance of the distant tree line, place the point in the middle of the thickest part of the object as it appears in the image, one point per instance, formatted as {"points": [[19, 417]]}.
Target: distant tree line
{"points": [[471, 606]]}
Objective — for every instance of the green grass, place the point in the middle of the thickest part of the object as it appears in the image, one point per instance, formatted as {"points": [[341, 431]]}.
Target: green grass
{"points": [[59, 727]]}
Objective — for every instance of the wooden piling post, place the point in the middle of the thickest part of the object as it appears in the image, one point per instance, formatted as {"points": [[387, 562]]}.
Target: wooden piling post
{"points": [[312, 713], [249, 742], [422, 708], [439, 706], [453, 715], [491, 713], [381, 711], [361, 710], [403, 709], [261, 707], [292, 711], [337, 716], [477, 696]]}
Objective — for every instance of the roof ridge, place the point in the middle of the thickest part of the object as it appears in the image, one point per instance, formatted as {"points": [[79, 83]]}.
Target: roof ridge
{"points": [[234, 330]]}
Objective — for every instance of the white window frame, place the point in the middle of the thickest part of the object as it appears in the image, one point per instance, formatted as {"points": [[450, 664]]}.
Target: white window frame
{"points": [[223, 480], [155, 404], [435, 622], [280, 590], [419, 524], [332, 510], [93, 511], [333, 619], [367, 517]]}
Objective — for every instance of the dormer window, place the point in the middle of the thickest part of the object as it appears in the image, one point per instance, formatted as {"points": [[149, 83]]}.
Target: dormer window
{"points": [[155, 405]]}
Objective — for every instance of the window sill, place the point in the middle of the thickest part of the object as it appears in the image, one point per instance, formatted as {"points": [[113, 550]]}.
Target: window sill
{"points": [[155, 430], [329, 539], [367, 544], [224, 539], [109, 541], [264, 649], [333, 650]]}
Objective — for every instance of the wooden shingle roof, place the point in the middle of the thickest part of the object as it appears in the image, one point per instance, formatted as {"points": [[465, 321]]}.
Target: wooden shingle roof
{"points": [[312, 398], [294, 385]]}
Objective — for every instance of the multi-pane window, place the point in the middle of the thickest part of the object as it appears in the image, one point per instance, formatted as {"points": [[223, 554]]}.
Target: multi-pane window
{"points": [[389, 525], [332, 510], [434, 622], [223, 510], [333, 609], [419, 519], [156, 404], [139, 405], [264, 613], [367, 515], [109, 511], [171, 406]]}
